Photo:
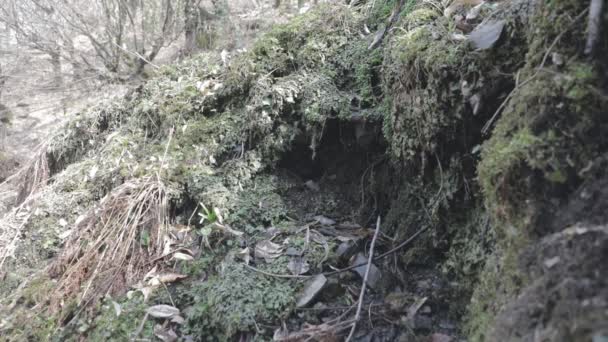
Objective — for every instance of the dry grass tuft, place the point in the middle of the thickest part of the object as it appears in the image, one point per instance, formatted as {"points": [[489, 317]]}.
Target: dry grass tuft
{"points": [[112, 246], [30, 178]]}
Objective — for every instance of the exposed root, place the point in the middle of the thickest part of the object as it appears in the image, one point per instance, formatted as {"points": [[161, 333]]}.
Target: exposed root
{"points": [[111, 247]]}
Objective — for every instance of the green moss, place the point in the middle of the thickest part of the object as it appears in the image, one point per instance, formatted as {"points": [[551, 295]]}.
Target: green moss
{"points": [[118, 321], [237, 300], [551, 128], [422, 76]]}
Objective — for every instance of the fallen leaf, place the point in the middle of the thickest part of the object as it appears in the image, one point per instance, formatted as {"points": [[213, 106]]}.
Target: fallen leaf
{"points": [[324, 220], [218, 213], [182, 256], [549, 263], [312, 185], [65, 234], [487, 34], [147, 291], [165, 278], [93, 171], [413, 309], [227, 229], [178, 320], [165, 334], [162, 311], [312, 288], [245, 255], [268, 250], [298, 266], [117, 308]]}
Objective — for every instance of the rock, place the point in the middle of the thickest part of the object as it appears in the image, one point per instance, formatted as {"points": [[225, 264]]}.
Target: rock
{"points": [[298, 265], [312, 185], [374, 276], [487, 34], [311, 290], [346, 250], [325, 221], [422, 322], [437, 337], [332, 290]]}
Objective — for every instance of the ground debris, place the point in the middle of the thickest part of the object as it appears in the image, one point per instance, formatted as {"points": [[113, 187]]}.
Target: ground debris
{"points": [[311, 290]]}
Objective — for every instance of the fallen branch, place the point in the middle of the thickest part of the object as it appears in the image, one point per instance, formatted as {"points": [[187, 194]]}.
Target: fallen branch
{"points": [[364, 284]]}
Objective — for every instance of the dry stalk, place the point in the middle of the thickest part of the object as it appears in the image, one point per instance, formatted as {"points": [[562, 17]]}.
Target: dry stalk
{"points": [[364, 283], [111, 247], [30, 178]]}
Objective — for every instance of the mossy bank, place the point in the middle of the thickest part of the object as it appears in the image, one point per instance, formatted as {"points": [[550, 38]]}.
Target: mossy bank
{"points": [[496, 155]]}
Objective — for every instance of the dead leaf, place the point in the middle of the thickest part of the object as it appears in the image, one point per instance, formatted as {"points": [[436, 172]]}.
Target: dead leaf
{"points": [[298, 266], [165, 278], [165, 334], [487, 34], [227, 229], [178, 320], [268, 250], [312, 288], [413, 309], [182, 256], [324, 220], [549, 263], [312, 185], [218, 214], [147, 291], [163, 311], [117, 308], [245, 255]]}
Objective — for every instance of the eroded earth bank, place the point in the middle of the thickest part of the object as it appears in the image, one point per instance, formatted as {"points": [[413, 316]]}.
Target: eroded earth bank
{"points": [[223, 200]]}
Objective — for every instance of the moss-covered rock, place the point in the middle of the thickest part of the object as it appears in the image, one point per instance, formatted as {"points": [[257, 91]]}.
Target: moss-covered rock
{"points": [[549, 135]]}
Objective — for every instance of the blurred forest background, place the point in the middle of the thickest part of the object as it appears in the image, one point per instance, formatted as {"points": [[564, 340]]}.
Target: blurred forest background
{"points": [[60, 56]]}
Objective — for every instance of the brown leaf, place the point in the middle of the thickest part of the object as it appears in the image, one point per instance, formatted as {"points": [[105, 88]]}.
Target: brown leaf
{"points": [[162, 311], [268, 250], [182, 256], [165, 334]]}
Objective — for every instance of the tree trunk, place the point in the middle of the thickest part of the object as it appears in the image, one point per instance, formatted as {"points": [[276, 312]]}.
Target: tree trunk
{"points": [[276, 4], [191, 24], [56, 64]]}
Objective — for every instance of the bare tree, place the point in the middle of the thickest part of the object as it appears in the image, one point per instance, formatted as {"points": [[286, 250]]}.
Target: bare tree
{"points": [[123, 35]]}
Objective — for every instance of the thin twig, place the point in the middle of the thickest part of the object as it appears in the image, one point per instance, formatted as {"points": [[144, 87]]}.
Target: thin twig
{"points": [[327, 274], [383, 255], [364, 283], [288, 276], [137, 55]]}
